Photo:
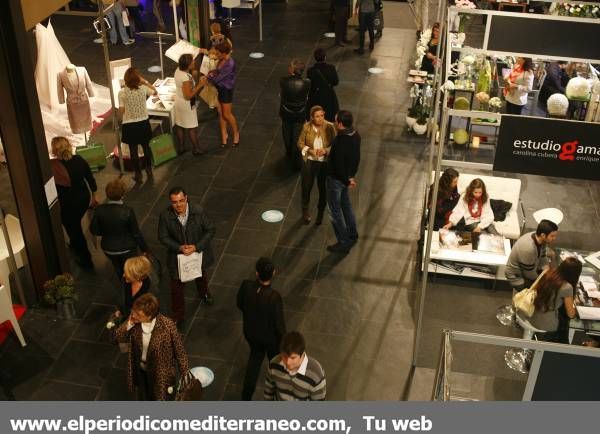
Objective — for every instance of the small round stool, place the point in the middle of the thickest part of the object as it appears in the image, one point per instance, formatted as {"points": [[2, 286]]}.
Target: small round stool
{"points": [[553, 214], [519, 359]]}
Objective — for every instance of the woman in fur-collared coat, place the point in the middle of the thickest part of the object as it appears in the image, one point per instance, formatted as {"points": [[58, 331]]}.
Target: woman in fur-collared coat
{"points": [[156, 349]]}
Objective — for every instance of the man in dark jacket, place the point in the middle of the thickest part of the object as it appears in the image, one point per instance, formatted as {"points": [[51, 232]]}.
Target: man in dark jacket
{"points": [[323, 77], [342, 165], [184, 228], [294, 96], [117, 225], [264, 324], [553, 83]]}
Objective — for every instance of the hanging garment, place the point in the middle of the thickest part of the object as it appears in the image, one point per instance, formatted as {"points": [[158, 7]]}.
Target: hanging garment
{"points": [[78, 87], [51, 59]]}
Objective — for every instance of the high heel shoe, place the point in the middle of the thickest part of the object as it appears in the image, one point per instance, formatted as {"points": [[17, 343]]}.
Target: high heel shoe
{"points": [[236, 144]]}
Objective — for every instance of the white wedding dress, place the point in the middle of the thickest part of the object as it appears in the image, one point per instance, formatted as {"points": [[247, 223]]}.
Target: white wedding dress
{"points": [[51, 59]]}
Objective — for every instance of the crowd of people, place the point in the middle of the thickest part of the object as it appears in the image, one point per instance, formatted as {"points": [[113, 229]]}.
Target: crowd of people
{"points": [[320, 142]]}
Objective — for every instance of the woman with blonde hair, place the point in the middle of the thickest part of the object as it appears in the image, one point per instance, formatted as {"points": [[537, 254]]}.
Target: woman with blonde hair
{"points": [[136, 277], [314, 144], [74, 182]]}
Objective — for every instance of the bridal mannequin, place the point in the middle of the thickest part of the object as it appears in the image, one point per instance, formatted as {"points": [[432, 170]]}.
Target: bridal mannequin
{"points": [[76, 82]]}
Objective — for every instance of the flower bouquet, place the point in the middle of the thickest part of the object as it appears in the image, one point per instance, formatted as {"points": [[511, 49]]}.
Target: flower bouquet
{"points": [[495, 104], [483, 99]]}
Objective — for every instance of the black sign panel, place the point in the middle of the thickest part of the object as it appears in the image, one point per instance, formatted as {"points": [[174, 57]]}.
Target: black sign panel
{"points": [[558, 38], [548, 147]]}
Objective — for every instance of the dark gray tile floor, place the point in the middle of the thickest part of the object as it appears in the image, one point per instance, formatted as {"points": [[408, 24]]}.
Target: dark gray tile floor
{"points": [[358, 313]]}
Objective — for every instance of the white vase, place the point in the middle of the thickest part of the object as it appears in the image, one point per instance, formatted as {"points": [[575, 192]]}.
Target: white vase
{"points": [[420, 129], [410, 121]]}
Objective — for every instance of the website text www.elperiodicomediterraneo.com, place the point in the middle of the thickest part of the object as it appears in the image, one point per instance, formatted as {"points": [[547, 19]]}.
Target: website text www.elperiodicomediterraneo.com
{"points": [[217, 424]]}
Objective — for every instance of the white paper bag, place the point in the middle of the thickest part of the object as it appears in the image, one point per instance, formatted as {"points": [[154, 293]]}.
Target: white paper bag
{"points": [[125, 17], [190, 266]]}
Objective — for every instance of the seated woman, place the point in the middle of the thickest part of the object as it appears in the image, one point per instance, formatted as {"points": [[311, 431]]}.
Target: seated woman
{"points": [[473, 212], [447, 197], [554, 290]]}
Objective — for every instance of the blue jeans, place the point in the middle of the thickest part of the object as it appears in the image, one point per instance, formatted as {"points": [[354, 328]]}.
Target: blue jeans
{"points": [[116, 20], [340, 210]]}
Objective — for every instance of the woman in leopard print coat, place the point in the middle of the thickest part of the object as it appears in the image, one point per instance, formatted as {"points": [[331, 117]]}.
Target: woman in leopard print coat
{"points": [[155, 373]]}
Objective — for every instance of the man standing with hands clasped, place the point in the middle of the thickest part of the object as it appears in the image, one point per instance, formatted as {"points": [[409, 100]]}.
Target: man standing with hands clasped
{"points": [[342, 165], [184, 228]]}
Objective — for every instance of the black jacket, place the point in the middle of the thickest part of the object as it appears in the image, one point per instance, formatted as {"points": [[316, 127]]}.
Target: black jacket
{"points": [[344, 156], [323, 77], [76, 198], [262, 313], [294, 96], [199, 231], [118, 227]]}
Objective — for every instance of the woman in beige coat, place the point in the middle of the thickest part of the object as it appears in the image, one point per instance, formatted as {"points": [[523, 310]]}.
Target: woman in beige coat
{"points": [[314, 144]]}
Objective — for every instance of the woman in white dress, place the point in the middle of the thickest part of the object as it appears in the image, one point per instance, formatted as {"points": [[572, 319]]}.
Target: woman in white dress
{"points": [[186, 116]]}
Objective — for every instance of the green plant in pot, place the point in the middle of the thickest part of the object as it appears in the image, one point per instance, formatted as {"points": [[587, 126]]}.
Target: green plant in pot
{"points": [[420, 127], [413, 114], [60, 292]]}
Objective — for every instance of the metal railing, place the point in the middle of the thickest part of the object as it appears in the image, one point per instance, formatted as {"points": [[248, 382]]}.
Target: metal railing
{"points": [[442, 390]]}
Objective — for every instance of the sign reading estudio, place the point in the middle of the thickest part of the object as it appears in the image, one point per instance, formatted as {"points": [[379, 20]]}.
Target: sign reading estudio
{"points": [[548, 147]]}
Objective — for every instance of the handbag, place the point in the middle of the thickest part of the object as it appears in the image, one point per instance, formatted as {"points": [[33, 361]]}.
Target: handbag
{"points": [[189, 388], [523, 301]]}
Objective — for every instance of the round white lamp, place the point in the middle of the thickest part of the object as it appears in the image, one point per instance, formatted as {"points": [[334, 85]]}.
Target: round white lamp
{"points": [[553, 214]]}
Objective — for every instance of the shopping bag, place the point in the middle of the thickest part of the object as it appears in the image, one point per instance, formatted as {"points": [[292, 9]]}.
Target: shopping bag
{"points": [[94, 154], [524, 300], [189, 266], [163, 149], [210, 95]]}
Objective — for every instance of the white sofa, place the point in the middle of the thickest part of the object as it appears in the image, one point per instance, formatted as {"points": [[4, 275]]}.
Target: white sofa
{"points": [[508, 189]]}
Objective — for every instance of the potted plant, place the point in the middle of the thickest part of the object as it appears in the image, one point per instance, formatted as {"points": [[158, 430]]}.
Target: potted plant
{"points": [[60, 292], [412, 115], [420, 126]]}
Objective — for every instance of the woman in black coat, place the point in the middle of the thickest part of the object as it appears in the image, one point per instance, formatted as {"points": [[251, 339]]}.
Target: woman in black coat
{"points": [[323, 77], [116, 223], [74, 181]]}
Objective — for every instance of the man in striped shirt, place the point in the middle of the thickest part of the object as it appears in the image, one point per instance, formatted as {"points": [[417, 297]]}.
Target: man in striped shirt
{"points": [[292, 375]]}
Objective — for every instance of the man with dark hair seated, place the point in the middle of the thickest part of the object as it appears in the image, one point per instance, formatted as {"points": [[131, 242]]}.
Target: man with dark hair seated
{"points": [[529, 255], [292, 375]]}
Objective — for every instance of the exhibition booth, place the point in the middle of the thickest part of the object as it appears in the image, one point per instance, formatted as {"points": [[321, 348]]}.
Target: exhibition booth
{"points": [[536, 165]]}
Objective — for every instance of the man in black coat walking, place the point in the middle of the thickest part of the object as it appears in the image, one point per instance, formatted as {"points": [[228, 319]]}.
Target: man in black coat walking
{"points": [[323, 77], [294, 95], [184, 228], [264, 324]]}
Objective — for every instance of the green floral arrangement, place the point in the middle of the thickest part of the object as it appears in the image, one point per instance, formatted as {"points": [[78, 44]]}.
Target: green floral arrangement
{"points": [[578, 10], [61, 288]]}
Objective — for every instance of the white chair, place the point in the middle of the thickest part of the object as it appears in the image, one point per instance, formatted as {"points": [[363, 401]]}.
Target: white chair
{"points": [[8, 314], [13, 227], [518, 359], [553, 214]]}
